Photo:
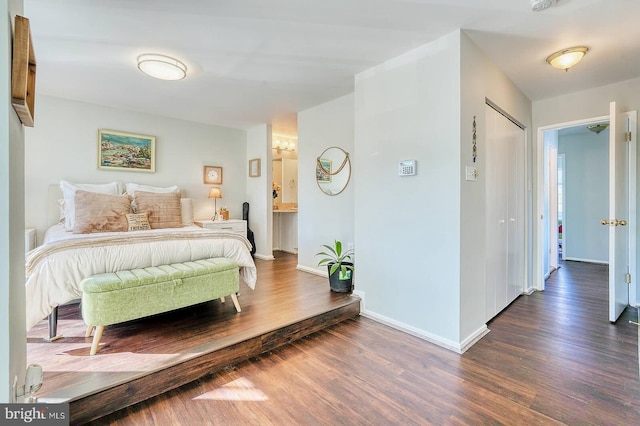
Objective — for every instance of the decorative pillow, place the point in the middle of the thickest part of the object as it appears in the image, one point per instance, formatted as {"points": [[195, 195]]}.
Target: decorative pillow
{"points": [[138, 221], [164, 209], [96, 212], [69, 191]]}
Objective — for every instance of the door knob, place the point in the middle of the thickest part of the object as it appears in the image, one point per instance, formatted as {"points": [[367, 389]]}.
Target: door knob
{"points": [[614, 222]]}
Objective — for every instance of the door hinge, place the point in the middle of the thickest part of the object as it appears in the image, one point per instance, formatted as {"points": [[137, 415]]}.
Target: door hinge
{"points": [[628, 136], [627, 278]]}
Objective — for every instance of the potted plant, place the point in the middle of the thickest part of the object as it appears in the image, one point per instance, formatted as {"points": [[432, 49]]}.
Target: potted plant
{"points": [[340, 266]]}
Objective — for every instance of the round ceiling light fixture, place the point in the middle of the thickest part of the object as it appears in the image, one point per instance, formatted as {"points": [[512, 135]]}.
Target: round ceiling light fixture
{"points": [[566, 58], [538, 5], [161, 66]]}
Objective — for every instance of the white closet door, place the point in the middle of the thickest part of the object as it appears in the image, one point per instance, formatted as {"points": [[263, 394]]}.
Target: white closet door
{"points": [[504, 211]]}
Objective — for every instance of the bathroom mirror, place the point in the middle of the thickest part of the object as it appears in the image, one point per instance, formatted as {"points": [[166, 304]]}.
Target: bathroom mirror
{"points": [[333, 170]]}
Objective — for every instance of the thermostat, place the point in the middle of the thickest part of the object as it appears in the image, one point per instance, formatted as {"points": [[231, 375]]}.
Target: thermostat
{"points": [[407, 168]]}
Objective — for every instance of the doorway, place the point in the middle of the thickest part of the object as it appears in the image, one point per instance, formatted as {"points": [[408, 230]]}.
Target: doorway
{"points": [[549, 160]]}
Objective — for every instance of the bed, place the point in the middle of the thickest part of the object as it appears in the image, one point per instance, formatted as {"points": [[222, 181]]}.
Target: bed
{"points": [[55, 269]]}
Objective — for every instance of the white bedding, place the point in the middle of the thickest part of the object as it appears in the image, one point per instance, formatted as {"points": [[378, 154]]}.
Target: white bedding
{"points": [[55, 269]]}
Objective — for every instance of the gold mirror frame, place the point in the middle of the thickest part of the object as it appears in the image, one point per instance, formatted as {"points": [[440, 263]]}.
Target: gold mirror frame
{"points": [[333, 170]]}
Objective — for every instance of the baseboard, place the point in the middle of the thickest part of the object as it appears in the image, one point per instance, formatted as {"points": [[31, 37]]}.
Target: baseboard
{"points": [[321, 272], [429, 337], [263, 256], [529, 291], [578, 259]]}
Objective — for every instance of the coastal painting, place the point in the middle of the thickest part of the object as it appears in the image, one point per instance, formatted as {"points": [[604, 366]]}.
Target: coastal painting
{"points": [[126, 151]]}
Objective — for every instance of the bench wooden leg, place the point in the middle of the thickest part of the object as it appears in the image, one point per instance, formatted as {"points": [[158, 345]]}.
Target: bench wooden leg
{"points": [[96, 339], [89, 331], [235, 302], [222, 299]]}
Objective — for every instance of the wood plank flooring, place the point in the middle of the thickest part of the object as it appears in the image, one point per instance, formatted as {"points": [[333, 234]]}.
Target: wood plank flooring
{"points": [[140, 359], [550, 358]]}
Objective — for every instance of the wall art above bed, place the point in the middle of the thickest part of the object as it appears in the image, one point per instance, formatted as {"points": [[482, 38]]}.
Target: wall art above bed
{"points": [[126, 151]]}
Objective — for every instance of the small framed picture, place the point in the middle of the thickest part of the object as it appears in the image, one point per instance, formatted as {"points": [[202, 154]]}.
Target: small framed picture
{"points": [[323, 170], [254, 167], [213, 175]]}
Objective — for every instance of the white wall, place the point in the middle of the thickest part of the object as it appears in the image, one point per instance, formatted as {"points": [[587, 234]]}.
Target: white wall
{"points": [[481, 79], [13, 339], [586, 190], [63, 145], [259, 189], [407, 229], [323, 218], [582, 105]]}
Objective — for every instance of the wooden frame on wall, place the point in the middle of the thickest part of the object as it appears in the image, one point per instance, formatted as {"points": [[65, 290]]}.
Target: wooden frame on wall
{"points": [[23, 72], [130, 152], [212, 175], [254, 167]]}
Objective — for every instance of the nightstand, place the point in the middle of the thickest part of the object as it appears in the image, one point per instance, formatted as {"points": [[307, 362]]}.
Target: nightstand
{"points": [[232, 225]]}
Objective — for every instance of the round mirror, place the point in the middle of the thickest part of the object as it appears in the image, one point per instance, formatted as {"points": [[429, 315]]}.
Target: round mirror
{"points": [[333, 170]]}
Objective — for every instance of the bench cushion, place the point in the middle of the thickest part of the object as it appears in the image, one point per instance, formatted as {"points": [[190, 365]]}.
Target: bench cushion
{"points": [[116, 297]]}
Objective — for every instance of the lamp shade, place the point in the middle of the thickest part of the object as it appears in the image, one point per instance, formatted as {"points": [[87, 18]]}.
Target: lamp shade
{"points": [[161, 66], [215, 192], [566, 58]]}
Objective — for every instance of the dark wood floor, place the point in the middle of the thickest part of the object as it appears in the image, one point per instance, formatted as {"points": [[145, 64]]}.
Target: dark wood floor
{"points": [[550, 358], [140, 359]]}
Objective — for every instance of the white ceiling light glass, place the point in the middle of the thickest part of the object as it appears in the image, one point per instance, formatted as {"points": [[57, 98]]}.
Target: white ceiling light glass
{"points": [[161, 66], [566, 58], [538, 5]]}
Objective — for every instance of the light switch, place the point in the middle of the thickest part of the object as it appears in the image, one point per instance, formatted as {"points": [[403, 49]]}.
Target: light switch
{"points": [[471, 173]]}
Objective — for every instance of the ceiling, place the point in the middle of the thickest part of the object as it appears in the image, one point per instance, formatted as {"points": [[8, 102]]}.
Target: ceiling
{"points": [[261, 61]]}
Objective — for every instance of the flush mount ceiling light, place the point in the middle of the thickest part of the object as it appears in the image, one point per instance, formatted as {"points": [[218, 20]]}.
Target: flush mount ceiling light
{"points": [[597, 128], [566, 58], [161, 66], [538, 5]]}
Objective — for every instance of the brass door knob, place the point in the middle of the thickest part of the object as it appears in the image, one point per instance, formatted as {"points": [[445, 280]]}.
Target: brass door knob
{"points": [[613, 222]]}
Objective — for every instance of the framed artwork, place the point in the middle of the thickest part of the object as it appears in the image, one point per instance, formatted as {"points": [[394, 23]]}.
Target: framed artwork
{"points": [[126, 151], [23, 72], [213, 175], [323, 170], [254, 167]]}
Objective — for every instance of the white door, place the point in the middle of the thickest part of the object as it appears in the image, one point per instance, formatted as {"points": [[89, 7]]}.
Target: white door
{"points": [[504, 212], [618, 213]]}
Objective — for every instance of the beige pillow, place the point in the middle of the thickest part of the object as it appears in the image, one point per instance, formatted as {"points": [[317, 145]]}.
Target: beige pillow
{"points": [[138, 221], [163, 209], [96, 212]]}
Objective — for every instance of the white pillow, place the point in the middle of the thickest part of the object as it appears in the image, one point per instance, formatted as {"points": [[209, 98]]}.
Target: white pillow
{"points": [[133, 187], [69, 193], [186, 205]]}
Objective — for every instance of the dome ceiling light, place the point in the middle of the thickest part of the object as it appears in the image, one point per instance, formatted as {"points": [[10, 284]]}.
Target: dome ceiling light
{"points": [[161, 66], [597, 128], [566, 58], [539, 5]]}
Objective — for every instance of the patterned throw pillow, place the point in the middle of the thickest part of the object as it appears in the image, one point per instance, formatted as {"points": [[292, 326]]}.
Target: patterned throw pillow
{"points": [[163, 209], [97, 212], [138, 221]]}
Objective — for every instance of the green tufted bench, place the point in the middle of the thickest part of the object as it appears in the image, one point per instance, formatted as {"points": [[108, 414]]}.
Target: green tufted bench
{"points": [[116, 297]]}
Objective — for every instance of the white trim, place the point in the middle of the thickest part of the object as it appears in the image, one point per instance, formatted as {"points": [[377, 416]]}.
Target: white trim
{"points": [[579, 259], [429, 337], [322, 273], [538, 256], [632, 121], [263, 257]]}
